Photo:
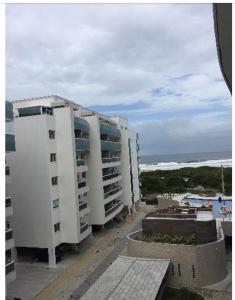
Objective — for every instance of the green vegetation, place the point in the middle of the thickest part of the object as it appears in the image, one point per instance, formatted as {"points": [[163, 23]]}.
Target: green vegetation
{"points": [[186, 180], [171, 239], [180, 294]]}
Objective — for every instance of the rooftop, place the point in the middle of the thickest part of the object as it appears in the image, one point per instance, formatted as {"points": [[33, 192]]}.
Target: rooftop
{"points": [[129, 278]]}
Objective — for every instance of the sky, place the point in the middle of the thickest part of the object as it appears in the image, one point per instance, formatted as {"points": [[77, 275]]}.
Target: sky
{"points": [[155, 64]]}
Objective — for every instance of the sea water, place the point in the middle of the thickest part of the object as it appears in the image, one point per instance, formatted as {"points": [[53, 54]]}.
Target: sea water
{"points": [[186, 159]]}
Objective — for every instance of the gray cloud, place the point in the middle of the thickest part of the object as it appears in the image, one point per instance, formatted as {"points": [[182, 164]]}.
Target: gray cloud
{"points": [[202, 133], [162, 55]]}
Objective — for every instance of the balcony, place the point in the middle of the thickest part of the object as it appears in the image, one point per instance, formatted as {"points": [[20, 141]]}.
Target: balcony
{"points": [[112, 192], [110, 176], [108, 145], [82, 144], [83, 227], [9, 234], [82, 205], [10, 143], [81, 184], [80, 162], [112, 209], [110, 130], [8, 202], [9, 110], [110, 159], [81, 124], [10, 266]]}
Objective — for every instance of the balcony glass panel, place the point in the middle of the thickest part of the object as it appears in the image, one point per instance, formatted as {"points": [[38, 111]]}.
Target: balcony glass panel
{"points": [[29, 111], [110, 176], [108, 145], [9, 234], [80, 162], [83, 227], [81, 184], [9, 110], [111, 130], [81, 124], [82, 144], [112, 192], [112, 209], [110, 159], [8, 202], [10, 267], [10, 142], [82, 205]]}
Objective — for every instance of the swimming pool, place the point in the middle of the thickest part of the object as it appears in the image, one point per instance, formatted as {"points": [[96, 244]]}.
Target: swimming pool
{"points": [[216, 205]]}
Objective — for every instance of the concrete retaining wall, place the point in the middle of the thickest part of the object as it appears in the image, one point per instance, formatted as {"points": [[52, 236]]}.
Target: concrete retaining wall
{"points": [[191, 266]]}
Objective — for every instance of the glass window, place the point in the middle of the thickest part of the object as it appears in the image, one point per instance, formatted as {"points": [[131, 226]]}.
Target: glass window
{"points": [[7, 171], [53, 157], [51, 134], [55, 203], [54, 180], [57, 227]]}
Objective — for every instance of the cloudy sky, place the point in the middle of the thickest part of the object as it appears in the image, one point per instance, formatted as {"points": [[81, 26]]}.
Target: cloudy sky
{"points": [[154, 64]]}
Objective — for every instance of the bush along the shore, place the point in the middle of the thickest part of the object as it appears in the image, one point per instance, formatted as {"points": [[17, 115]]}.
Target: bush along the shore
{"points": [[186, 180], [171, 239]]}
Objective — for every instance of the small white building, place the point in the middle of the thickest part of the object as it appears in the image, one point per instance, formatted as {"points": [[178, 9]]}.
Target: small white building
{"points": [[9, 240], [68, 172]]}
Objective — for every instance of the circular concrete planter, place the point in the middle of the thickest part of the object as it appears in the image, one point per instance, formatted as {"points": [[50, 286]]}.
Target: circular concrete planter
{"points": [[191, 266]]}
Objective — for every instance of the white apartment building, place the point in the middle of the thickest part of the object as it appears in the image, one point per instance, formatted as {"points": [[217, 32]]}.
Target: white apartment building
{"points": [[9, 240], [68, 172]]}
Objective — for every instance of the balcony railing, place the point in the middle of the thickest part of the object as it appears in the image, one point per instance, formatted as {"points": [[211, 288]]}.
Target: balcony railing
{"points": [[82, 205], [81, 184], [81, 124], [10, 267], [82, 144], [110, 159], [83, 227], [110, 130], [8, 202], [10, 143], [112, 209], [110, 176], [108, 145], [80, 162], [9, 234], [112, 192]]}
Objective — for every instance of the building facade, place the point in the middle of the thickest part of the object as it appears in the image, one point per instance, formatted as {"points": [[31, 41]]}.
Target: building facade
{"points": [[68, 173], [9, 240]]}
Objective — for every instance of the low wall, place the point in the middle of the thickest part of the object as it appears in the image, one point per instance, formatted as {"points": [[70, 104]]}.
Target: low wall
{"points": [[205, 231], [227, 228], [191, 266]]}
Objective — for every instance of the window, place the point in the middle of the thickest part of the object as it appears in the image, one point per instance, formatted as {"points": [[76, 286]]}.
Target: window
{"points": [[83, 174], [53, 157], [79, 196], [85, 195], [55, 203], [57, 227], [7, 171], [51, 134], [54, 180]]}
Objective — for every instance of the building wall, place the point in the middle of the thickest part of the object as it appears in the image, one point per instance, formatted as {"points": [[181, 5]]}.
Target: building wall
{"points": [[67, 174], [31, 175], [129, 165], [208, 260], [95, 179]]}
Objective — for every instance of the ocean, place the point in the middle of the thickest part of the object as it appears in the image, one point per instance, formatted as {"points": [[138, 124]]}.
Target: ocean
{"points": [[174, 161]]}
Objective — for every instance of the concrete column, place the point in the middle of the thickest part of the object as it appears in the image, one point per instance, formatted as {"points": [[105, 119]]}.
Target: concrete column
{"points": [[52, 257]]}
